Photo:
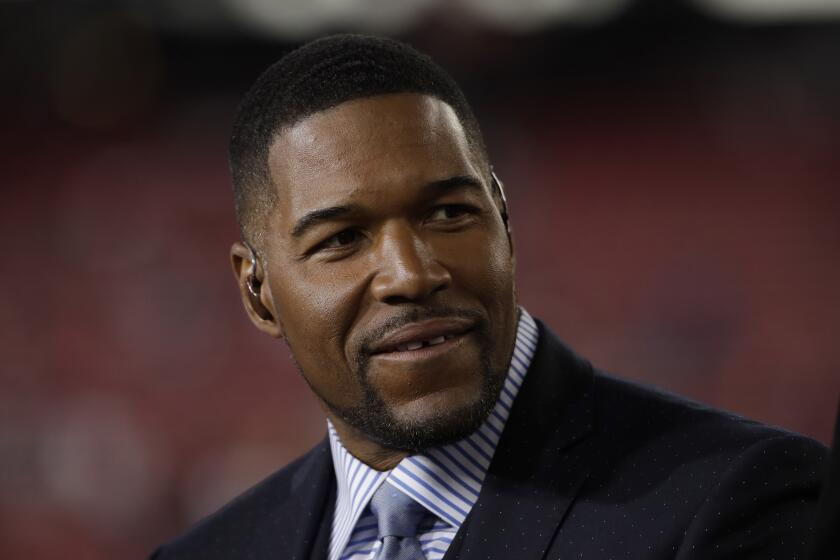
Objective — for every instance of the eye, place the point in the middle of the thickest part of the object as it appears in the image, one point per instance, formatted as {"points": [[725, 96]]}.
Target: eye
{"points": [[341, 239], [449, 212]]}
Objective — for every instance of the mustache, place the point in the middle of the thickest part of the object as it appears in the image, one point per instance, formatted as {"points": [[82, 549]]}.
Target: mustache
{"points": [[415, 315]]}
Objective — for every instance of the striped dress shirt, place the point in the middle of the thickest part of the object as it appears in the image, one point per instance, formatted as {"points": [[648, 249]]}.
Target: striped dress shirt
{"points": [[446, 480]]}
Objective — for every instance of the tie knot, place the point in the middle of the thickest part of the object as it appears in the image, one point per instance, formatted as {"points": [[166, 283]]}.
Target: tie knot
{"points": [[396, 512]]}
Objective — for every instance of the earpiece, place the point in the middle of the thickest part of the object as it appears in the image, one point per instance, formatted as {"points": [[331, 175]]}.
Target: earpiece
{"points": [[254, 286], [503, 211], [252, 282]]}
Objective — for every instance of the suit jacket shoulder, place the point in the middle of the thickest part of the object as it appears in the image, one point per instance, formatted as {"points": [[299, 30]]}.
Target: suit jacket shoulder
{"points": [[288, 513], [593, 466], [723, 486], [632, 418]]}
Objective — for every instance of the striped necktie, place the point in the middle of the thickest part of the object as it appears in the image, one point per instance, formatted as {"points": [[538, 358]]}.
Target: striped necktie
{"points": [[398, 516]]}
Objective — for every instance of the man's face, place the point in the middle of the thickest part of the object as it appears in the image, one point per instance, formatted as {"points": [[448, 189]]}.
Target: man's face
{"points": [[389, 269]]}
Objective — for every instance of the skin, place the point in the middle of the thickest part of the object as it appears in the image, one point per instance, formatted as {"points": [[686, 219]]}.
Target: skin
{"points": [[417, 242]]}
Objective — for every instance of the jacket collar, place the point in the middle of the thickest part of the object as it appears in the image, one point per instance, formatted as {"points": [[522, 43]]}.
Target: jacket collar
{"points": [[307, 516], [535, 473]]}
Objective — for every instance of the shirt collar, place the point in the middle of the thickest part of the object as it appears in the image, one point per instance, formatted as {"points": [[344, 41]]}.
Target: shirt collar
{"points": [[446, 479]]}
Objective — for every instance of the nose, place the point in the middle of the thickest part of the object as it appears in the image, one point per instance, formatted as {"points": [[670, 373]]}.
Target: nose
{"points": [[408, 269]]}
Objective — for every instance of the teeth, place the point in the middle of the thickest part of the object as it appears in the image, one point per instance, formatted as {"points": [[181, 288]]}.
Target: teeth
{"points": [[420, 344]]}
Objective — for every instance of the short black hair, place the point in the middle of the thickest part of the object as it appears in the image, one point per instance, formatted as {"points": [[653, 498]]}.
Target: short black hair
{"points": [[317, 76]]}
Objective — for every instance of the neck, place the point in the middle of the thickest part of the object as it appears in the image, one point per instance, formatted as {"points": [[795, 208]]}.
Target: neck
{"points": [[369, 452]]}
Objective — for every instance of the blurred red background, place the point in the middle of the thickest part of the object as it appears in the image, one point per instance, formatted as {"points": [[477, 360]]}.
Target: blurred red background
{"points": [[672, 176]]}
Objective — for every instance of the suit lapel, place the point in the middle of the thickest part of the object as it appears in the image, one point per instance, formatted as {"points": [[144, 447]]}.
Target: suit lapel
{"points": [[307, 515], [539, 464], [321, 540]]}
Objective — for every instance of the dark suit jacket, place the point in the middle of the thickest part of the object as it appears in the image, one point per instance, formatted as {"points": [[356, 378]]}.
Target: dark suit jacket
{"points": [[588, 466], [827, 523]]}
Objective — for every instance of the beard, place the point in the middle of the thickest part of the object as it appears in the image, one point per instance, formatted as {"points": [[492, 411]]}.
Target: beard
{"points": [[374, 418]]}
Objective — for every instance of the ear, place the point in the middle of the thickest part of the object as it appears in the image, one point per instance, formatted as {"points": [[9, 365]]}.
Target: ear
{"points": [[254, 291], [500, 200]]}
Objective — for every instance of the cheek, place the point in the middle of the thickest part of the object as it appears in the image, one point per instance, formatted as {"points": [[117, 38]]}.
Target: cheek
{"points": [[489, 269], [317, 307], [489, 275], [501, 265]]}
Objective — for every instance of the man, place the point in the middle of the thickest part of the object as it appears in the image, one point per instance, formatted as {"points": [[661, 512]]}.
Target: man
{"points": [[376, 243]]}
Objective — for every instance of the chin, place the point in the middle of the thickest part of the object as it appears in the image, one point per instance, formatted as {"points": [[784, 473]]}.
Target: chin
{"points": [[417, 436], [440, 408], [433, 420]]}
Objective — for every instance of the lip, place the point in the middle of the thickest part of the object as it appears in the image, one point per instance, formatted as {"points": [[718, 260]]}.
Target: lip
{"points": [[403, 340]]}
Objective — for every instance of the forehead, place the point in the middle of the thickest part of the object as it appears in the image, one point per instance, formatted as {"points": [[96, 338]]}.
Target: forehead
{"points": [[380, 145]]}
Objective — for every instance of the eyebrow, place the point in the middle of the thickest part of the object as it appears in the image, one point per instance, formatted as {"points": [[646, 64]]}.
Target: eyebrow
{"points": [[315, 217], [467, 181]]}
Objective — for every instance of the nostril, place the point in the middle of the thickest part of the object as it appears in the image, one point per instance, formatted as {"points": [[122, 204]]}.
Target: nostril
{"points": [[414, 286], [397, 300]]}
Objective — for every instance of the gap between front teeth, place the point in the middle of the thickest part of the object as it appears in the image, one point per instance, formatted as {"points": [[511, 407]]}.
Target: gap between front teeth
{"points": [[417, 345]]}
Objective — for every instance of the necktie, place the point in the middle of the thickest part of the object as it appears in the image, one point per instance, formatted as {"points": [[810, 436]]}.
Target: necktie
{"points": [[398, 516]]}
